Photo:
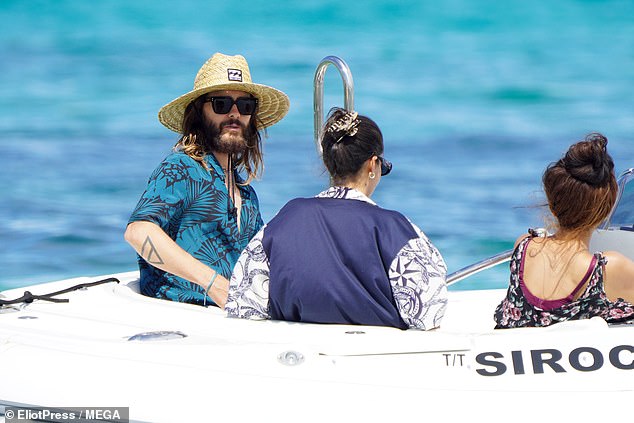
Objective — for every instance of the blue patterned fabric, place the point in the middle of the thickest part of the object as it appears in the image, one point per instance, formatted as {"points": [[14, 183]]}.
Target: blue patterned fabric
{"points": [[191, 205]]}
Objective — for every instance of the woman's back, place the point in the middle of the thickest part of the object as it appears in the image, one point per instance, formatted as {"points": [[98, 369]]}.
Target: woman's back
{"points": [[328, 261], [555, 270], [546, 288]]}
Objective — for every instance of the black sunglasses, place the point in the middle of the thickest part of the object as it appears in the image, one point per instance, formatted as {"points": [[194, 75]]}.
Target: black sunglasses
{"points": [[386, 165], [223, 104]]}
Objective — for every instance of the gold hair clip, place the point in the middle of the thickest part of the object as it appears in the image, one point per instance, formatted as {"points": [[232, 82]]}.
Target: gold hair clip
{"points": [[348, 124]]}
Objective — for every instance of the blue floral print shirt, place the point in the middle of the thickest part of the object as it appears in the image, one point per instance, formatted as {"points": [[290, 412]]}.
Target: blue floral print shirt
{"points": [[192, 205]]}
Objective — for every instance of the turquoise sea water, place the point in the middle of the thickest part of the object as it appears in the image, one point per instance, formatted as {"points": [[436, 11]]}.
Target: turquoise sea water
{"points": [[475, 98]]}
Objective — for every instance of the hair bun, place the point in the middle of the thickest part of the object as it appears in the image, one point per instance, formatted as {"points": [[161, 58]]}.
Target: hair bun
{"points": [[588, 161]]}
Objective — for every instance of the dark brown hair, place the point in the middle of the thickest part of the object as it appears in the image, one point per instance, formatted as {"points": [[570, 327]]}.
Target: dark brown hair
{"points": [[344, 154], [195, 143], [581, 187]]}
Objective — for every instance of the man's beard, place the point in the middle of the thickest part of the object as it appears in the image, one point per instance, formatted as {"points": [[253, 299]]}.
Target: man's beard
{"points": [[226, 142]]}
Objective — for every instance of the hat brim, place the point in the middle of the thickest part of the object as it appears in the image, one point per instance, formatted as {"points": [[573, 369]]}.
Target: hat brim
{"points": [[273, 104]]}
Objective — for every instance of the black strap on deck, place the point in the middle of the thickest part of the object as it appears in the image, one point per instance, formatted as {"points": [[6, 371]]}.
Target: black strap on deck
{"points": [[29, 297]]}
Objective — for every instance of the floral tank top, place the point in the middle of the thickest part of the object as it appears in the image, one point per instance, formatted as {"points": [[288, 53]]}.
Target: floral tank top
{"points": [[516, 311]]}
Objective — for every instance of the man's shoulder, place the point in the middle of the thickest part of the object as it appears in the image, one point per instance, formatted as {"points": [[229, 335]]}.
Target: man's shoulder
{"points": [[180, 160], [176, 157]]}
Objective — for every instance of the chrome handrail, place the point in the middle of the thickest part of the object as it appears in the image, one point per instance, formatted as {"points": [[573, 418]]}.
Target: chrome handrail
{"points": [[487, 263], [318, 94]]}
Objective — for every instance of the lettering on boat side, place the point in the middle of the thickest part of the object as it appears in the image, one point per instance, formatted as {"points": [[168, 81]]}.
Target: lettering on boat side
{"points": [[454, 359], [582, 359]]}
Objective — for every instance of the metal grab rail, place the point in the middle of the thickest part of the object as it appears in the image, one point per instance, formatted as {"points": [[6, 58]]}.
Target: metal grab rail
{"points": [[487, 263], [318, 94]]}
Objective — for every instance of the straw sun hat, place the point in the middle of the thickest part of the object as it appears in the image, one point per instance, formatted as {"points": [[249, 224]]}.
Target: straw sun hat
{"points": [[222, 72]]}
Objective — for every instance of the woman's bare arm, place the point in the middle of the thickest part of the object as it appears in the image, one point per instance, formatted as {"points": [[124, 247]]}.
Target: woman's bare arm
{"points": [[619, 277]]}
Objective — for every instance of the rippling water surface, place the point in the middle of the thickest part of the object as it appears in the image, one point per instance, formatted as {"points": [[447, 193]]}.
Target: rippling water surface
{"points": [[474, 99]]}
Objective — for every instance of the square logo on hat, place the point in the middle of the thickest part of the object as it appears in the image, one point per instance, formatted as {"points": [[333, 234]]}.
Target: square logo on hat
{"points": [[234, 75]]}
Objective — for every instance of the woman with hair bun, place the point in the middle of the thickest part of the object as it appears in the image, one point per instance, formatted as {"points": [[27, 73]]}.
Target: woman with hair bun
{"points": [[556, 278], [338, 257]]}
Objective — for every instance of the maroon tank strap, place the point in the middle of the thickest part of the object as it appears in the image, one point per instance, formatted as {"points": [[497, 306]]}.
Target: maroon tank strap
{"points": [[593, 264]]}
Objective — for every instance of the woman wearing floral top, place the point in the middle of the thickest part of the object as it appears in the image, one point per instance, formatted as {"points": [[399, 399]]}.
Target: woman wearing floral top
{"points": [[338, 257], [557, 278]]}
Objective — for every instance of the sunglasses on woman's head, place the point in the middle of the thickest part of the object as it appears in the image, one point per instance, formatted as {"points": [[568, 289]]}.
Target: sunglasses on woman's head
{"points": [[223, 104], [386, 166]]}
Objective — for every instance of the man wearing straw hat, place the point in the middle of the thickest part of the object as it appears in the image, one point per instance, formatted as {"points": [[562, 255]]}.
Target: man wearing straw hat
{"points": [[197, 213]]}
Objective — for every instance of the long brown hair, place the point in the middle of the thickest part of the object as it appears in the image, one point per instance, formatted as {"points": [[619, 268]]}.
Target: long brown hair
{"points": [[195, 143], [581, 187]]}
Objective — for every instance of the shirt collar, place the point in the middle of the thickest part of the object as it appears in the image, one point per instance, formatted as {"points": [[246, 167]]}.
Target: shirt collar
{"points": [[345, 193], [212, 162]]}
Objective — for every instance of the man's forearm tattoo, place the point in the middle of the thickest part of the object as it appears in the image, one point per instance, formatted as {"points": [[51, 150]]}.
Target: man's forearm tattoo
{"points": [[152, 255]]}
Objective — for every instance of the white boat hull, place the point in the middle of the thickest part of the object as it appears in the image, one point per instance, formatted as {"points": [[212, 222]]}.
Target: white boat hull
{"points": [[79, 354]]}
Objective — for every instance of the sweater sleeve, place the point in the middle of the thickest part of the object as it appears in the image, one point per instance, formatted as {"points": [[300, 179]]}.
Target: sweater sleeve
{"points": [[418, 279], [249, 286]]}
